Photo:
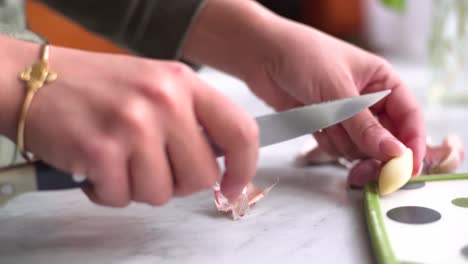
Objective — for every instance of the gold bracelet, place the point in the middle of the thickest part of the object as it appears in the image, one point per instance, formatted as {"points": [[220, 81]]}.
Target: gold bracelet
{"points": [[35, 77]]}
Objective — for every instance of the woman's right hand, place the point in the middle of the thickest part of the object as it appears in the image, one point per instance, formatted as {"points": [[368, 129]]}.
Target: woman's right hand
{"points": [[132, 126]]}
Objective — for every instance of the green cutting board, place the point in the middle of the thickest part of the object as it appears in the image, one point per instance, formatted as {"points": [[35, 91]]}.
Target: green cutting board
{"points": [[424, 222]]}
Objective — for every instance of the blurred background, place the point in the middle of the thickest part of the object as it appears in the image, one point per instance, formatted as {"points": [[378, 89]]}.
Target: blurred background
{"points": [[433, 33], [368, 23]]}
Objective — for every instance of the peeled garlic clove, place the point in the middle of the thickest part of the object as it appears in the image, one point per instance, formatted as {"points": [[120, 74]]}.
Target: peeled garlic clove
{"points": [[396, 173]]}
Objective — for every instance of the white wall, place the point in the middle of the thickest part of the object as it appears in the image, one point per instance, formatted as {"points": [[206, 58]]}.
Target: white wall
{"points": [[399, 34]]}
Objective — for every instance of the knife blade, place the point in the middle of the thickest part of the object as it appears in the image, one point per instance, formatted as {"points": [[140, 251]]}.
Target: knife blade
{"points": [[282, 126], [274, 128]]}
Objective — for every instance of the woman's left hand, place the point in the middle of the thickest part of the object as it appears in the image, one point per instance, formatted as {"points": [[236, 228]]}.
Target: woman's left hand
{"points": [[307, 66]]}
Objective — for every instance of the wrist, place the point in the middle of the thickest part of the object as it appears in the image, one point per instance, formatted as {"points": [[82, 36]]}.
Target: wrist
{"points": [[233, 36], [16, 55]]}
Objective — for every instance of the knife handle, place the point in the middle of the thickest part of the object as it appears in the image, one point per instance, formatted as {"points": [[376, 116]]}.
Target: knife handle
{"points": [[40, 176], [50, 178]]}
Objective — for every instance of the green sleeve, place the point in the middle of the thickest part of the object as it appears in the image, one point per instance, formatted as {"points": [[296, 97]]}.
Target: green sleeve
{"points": [[149, 28]]}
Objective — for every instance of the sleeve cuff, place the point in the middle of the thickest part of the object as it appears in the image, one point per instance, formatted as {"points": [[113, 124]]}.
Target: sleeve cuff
{"points": [[164, 32], [150, 28]]}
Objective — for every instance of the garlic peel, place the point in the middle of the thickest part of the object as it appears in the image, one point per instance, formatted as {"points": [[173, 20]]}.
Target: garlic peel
{"points": [[251, 194]]}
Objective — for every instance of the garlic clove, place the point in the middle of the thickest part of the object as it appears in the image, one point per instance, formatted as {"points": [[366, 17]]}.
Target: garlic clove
{"points": [[396, 173]]}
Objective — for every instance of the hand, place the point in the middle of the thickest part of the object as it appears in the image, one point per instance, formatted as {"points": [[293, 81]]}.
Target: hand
{"points": [[306, 66], [132, 126], [288, 64]]}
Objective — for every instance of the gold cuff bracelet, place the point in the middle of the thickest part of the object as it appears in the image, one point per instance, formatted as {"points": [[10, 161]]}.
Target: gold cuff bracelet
{"points": [[35, 77]]}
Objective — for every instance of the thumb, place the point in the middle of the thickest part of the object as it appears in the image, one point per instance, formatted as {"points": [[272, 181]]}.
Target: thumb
{"points": [[372, 138]]}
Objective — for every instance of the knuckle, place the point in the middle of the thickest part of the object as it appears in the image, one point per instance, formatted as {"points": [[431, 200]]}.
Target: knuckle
{"points": [[100, 155], [179, 69], [167, 86], [110, 194], [246, 134], [111, 201], [384, 63], [119, 203], [158, 199], [84, 145], [146, 67], [165, 95], [161, 90], [97, 148], [134, 115], [382, 66], [369, 128]]}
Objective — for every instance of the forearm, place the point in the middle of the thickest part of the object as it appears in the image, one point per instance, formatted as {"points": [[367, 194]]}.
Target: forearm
{"points": [[233, 36], [15, 55]]}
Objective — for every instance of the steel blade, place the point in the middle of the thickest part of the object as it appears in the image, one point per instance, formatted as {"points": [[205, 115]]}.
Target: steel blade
{"points": [[282, 126]]}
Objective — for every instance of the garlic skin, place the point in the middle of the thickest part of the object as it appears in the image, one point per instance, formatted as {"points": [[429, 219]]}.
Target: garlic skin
{"points": [[238, 208], [251, 194], [445, 158], [363, 172], [311, 154]]}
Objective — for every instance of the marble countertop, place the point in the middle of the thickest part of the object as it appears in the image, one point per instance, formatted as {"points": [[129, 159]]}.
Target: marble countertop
{"points": [[309, 217]]}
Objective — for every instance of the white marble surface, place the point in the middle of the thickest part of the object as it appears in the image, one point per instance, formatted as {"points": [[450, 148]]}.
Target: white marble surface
{"points": [[309, 217]]}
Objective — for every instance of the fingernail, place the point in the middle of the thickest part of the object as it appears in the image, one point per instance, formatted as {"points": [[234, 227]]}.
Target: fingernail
{"points": [[392, 147], [233, 193]]}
